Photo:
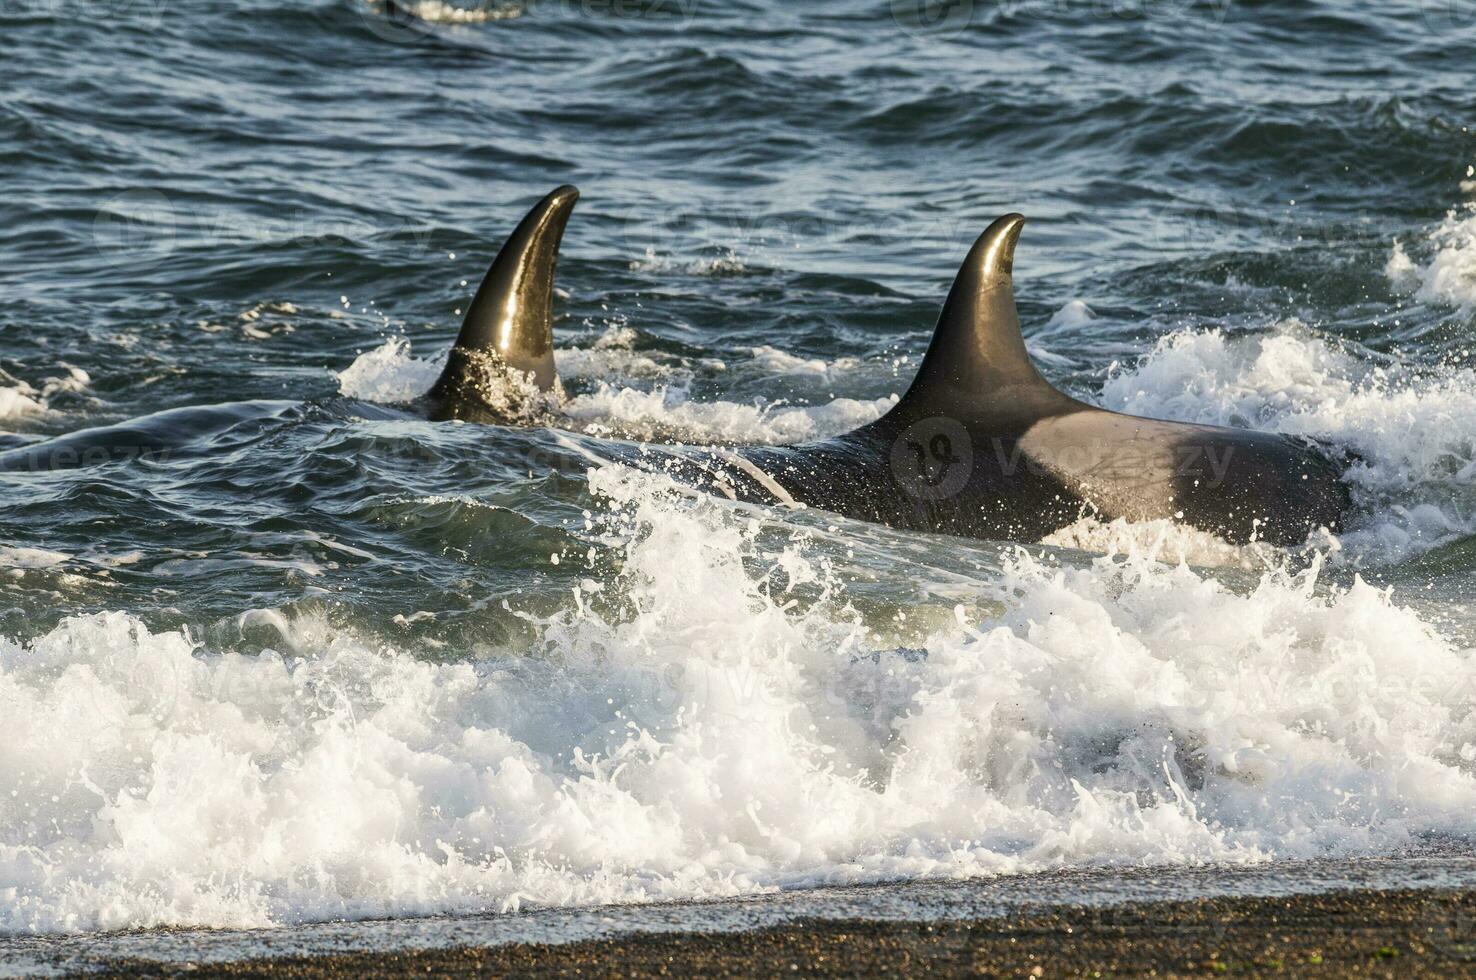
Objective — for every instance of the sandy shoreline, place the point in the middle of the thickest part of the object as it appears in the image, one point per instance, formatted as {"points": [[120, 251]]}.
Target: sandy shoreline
{"points": [[1344, 933]]}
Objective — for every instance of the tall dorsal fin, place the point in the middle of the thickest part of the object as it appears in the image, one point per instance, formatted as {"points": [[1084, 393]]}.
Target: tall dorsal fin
{"points": [[977, 357], [512, 314]]}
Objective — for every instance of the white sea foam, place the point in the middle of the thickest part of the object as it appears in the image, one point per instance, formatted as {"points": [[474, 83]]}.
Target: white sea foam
{"points": [[772, 360], [25, 558], [20, 400], [1446, 272], [729, 264], [667, 414], [712, 740], [1416, 435], [612, 357], [390, 373], [441, 12]]}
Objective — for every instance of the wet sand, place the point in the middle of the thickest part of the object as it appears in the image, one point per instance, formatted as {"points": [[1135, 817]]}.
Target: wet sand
{"points": [[1347, 933]]}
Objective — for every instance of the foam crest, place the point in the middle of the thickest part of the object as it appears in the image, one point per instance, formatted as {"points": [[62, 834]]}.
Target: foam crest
{"points": [[21, 400], [706, 716], [613, 355], [771, 360], [441, 12], [667, 414], [17, 561], [391, 374], [1447, 273], [1415, 481], [708, 267]]}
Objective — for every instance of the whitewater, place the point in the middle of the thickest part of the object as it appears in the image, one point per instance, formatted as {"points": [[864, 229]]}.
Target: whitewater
{"points": [[342, 663], [710, 714]]}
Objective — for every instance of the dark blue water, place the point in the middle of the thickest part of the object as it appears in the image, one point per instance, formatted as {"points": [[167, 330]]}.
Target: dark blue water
{"points": [[1241, 212]]}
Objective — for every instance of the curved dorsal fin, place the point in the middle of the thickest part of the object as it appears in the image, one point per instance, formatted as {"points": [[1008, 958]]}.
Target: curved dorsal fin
{"points": [[512, 313], [977, 355]]}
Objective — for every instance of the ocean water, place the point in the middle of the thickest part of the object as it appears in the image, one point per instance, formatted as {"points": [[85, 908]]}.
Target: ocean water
{"points": [[338, 662]]}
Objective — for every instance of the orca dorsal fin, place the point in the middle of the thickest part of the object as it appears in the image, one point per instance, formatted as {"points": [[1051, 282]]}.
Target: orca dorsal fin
{"points": [[977, 356], [511, 316]]}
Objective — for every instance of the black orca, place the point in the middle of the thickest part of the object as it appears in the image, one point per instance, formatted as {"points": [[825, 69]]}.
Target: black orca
{"points": [[981, 445], [500, 369], [504, 352]]}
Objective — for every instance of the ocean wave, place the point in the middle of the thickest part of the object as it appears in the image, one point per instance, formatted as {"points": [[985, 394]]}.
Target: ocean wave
{"points": [[390, 374], [441, 12], [1446, 272], [667, 414], [613, 355], [1414, 435], [709, 267], [685, 727]]}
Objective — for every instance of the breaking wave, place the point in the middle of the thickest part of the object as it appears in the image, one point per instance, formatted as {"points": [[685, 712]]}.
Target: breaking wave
{"points": [[709, 716]]}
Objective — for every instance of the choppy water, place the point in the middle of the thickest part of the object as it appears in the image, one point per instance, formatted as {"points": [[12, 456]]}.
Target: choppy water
{"points": [[341, 662]]}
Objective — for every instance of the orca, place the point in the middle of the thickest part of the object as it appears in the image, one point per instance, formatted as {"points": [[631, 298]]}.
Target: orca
{"points": [[502, 361], [500, 370], [980, 446]]}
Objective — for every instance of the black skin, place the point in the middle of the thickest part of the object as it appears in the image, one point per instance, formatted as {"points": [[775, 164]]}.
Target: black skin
{"points": [[981, 446], [1237, 485]]}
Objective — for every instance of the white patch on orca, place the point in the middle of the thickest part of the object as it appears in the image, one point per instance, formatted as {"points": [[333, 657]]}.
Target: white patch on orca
{"points": [[1162, 540], [1415, 429]]}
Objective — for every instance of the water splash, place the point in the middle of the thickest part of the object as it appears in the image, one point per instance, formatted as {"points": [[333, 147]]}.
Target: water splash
{"points": [[707, 716]]}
